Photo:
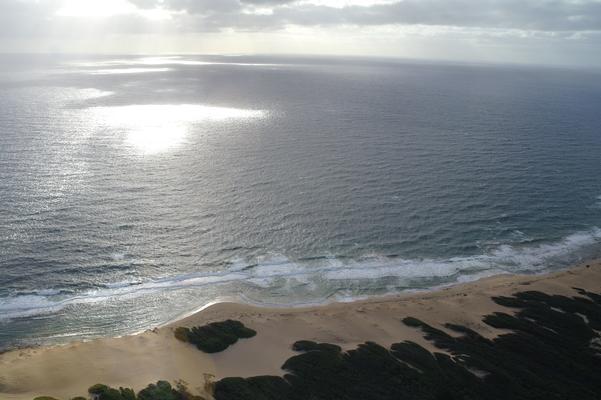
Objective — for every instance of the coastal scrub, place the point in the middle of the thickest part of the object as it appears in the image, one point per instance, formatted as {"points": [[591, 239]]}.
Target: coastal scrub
{"points": [[550, 352], [216, 336]]}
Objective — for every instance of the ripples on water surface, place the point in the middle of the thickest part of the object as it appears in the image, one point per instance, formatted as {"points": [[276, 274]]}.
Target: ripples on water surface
{"points": [[135, 190]]}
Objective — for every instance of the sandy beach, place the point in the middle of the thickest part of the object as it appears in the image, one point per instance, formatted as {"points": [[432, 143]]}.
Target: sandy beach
{"points": [[135, 361]]}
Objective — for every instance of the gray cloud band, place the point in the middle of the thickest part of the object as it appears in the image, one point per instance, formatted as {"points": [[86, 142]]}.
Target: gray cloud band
{"points": [[27, 17]]}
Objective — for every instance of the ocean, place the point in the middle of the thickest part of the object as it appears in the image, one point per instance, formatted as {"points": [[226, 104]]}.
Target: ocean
{"points": [[135, 190]]}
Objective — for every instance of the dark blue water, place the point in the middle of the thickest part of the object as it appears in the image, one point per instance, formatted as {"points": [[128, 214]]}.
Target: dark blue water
{"points": [[135, 190]]}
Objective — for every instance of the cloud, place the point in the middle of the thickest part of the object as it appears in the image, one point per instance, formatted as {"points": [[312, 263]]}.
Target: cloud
{"points": [[547, 15], [566, 26], [27, 16]]}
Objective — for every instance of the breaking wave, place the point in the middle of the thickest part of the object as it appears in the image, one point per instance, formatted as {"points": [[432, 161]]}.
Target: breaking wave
{"points": [[322, 275]]}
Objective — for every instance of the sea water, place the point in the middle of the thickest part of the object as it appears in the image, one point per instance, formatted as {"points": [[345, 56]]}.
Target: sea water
{"points": [[135, 190]]}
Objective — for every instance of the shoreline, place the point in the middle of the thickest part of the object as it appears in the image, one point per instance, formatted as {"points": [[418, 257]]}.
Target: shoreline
{"points": [[67, 370], [353, 300], [297, 306]]}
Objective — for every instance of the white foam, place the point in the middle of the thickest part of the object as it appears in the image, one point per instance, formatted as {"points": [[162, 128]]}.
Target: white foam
{"points": [[279, 272], [27, 305], [118, 256]]}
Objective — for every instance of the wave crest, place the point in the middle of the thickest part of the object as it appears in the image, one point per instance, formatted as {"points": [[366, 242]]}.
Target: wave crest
{"points": [[323, 275]]}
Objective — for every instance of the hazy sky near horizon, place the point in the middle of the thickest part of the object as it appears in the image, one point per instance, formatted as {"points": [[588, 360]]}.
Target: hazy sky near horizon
{"points": [[523, 31]]}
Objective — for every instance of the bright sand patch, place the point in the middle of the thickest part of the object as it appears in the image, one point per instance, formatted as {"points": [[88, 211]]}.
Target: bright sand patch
{"points": [[135, 361]]}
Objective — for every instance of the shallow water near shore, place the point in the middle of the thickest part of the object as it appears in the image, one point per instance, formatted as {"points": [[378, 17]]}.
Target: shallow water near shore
{"points": [[134, 190]]}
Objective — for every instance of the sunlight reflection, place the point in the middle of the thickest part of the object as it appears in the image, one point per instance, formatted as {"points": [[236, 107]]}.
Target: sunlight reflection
{"points": [[166, 60], [93, 93], [156, 128], [112, 71]]}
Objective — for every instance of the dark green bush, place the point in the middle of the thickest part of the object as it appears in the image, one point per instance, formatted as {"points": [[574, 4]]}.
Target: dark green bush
{"points": [[107, 393], [181, 333], [98, 389], [161, 391], [127, 393], [216, 336]]}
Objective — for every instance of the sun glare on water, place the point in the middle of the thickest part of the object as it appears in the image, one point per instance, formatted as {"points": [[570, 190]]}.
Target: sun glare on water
{"points": [[152, 129]]}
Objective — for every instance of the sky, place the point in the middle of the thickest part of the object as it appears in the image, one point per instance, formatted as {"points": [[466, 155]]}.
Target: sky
{"points": [[548, 32]]}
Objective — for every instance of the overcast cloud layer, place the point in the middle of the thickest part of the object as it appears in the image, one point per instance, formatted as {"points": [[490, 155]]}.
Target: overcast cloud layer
{"points": [[547, 15], [531, 30]]}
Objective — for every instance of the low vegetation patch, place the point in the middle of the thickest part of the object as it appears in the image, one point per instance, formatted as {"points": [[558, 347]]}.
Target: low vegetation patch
{"points": [[104, 392], [162, 390], [551, 353], [216, 336], [52, 398]]}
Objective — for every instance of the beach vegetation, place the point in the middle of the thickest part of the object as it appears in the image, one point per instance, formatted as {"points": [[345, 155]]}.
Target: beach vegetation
{"points": [[216, 336], [162, 390], [104, 392], [181, 333], [547, 353], [127, 393]]}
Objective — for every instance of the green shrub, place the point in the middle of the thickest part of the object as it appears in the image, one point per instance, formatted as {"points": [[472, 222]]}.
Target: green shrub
{"points": [[127, 393], [181, 333], [161, 391], [216, 336], [44, 398], [108, 393], [98, 388]]}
